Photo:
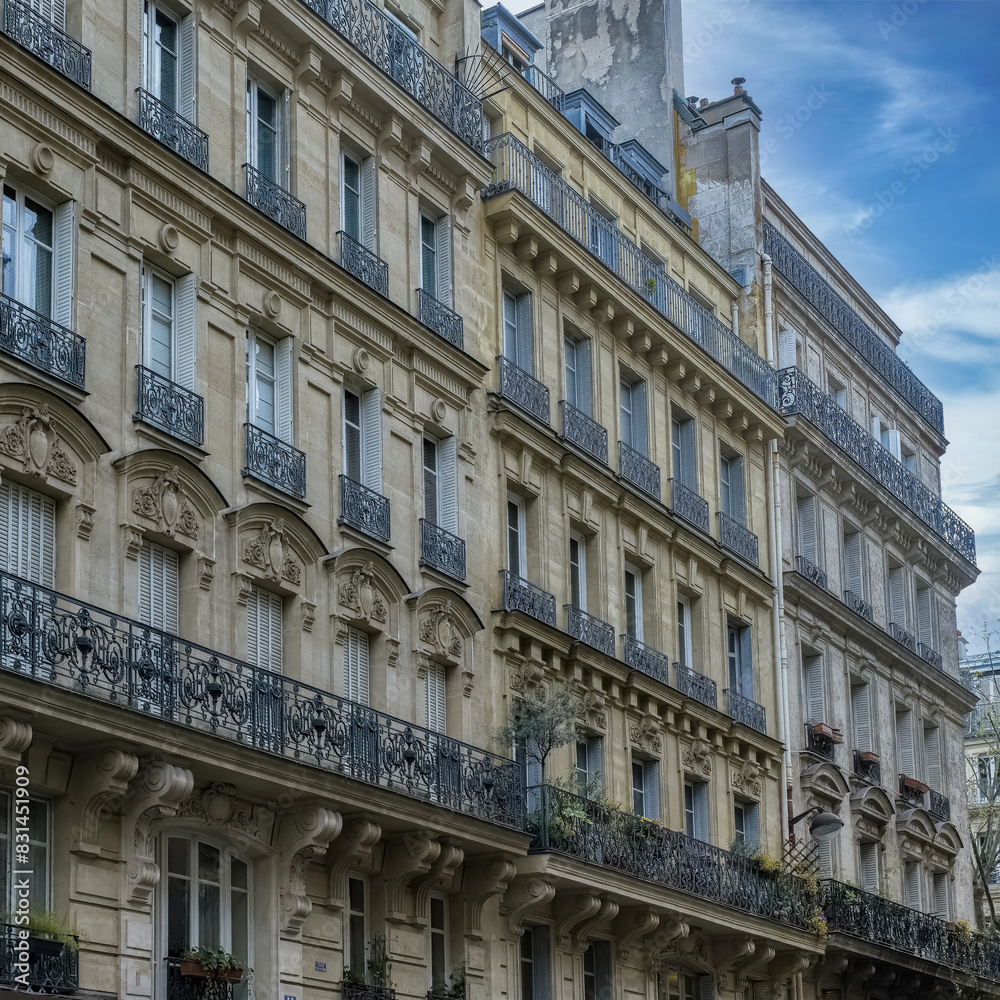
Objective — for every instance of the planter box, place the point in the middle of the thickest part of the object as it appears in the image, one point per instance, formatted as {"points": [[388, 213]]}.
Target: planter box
{"points": [[192, 967], [822, 729], [44, 946], [915, 784], [870, 758]]}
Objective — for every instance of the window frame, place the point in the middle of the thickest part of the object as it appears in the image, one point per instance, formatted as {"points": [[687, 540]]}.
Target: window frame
{"points": [[634, 627], [578, 570], [514, 500], [255, 87], [31, 549], [7, 849], [350, 912], [21, 292], [696, 808], [442, 933], [685, 638]]}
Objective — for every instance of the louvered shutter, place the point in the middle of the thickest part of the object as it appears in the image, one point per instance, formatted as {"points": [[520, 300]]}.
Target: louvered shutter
{"points": [[786, 349], [823, 854], [701, 812], [52, 10], [852, 564], [356, 666], [583, 403], [737, 490], [862, 711], [932, 754], [746, 661], [369, 175], [448, 484], [602, 967], [371, 440], [911, 885], [525, 334], [807, 528], [284, 171], [158, 587], [283, 388], [62, 264], [444, 279], [897, 597], [188, 68], [264, 630], [437, 717], [639, 433], [595, 759], [812, 672], [894, 444], [905, 761], [688, 462], [186, 331], [925, 627], [706, 987], [651, 788], [869, 867], [27, 534], [751, 830], [540, 965], [942, 910]]}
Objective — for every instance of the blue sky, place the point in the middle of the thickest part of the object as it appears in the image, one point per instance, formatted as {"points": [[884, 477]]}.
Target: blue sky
{"points": [[881, 129]]}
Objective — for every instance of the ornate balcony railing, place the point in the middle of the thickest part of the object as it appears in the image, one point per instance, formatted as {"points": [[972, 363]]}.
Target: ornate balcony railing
{"points": [[904, 638], [545, 86], [42, 966], [818, 292], [590, 630], [882, 922], [516, 168], [869, 771], [691, 684], [366, 991], [653, 192], [181, 987], [686, 503], [913, 796], [645, 659], [83, 648], [436, 316], [524, 390], [366, 266], [745, 711], [930, 654], [800, 395], [859, 606], [397, 53], [811, 572], [638, 470], [584, 432], [365, 509], [621, 841], [939, 805], [520, 595], [275, 202], [170, 406], [738, 539], [984, 719], [43, 39], [441, 549], [275, 461], [172, 129], [820, 743], [35, 339]]}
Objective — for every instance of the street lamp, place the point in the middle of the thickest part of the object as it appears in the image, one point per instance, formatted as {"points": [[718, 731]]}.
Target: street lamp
{"points": [[825, 825]]}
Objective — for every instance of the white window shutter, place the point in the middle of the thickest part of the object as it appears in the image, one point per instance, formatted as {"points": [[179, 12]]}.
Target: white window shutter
{"points": [[932, 754], [688, 455], [356, 666], [746, 661], [264, 630], [188, 68], [583, 376], [905, 762], [861, 706], [444, 280], [186, 331], [437, 701], [812, 674], [651, 788], [448, 484], [911, 885], [371, 440], [284, 172], [701, 812], [897, 596], [283, 388], [853, 576], [752, 819], [369, 236], [925, 624], [807, 528], [540, 965], [158, 587], [786, 349], [62, 265], [895, 445], [525, 334], [824, 858], [869, 866], [27, 534], [942, 910]]}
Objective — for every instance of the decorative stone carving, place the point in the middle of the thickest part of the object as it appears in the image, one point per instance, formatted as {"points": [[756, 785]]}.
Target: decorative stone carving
{"points": [[84, 520], [362, 359], [354, 850], [438, 630], [632, 925], [697, 757], [165, 503], [439, 410], [272, 304], [304, 835], [526, 675], [102, 779], [308, 615], [441, 875], [594, 704], [524, 896], [206, 572], [169, 237], [33, 441], [646, 734], [42, 159], [218, 809], [412, 855], [269, 551], [483, 883], [15, 738], [363, 597], [737, 953], [132, 540], [748, 778]]}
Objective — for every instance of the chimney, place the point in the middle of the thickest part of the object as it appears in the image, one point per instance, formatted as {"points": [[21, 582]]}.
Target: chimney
{"points": [[737, 82]]}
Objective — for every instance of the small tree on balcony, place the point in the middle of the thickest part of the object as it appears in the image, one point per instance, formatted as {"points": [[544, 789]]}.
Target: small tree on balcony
{"points": [[540, 724]]}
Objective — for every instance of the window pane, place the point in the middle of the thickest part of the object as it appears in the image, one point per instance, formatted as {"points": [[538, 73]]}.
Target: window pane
{"points": [[267, 135], [178, 856], [352, 199], [178, 916], [357, 950], [209, 916]]}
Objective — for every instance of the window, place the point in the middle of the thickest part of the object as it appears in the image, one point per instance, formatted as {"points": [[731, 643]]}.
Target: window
{"points": [[589, 764], [786, 348], [746, 823], [158, 587], [435, 257], [535, 978], [940, 895], [603, 230], [357, 926], [911, 885], [437, 698], [168, 326], [363, 438], [356, 666], [886, 436], [269, 384], [925, 616], [933, 772], [685, 470], [732, 499], [897, 596], [169, 71], [696, 809], [633, 602], [597, 971], [646, 788], [517, 59], [986, 779], [27, 534], [812, 687], [633, 414], [823, 853], [868, 866], [905, 757], [861, 715], [740, 656], [837, 390], [357, 199], [267, 131], [578, 571], [909, 458], [441, 483], [517, 555], [264, 629], [518, 338], [37, 860], [853, 574], [439, 944], [38, 255], [808, 542], [684, 644], [676, 984], [578, 374]]}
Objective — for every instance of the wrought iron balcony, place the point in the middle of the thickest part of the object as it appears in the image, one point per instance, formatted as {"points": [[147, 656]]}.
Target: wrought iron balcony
{"points": [[686, 503], [166, 125], [859, 606], [738, 539], [436, 316], [818, 293], [811, 572], [524, 390], [584, 432], [185, 987], [881, 922], [745, 711], [590, 630], [904, 638], [691, 684], [545, 86], [46, 966], [984, 719], [867, 769], [638, 470], [930, 654], [35, 339], [516, 168], [170, 406], [388, 45], [85, 649], [366, 991], [441, 549], [275, 461], [820, 742], [275, 202], [365, 510], [520, 595], [912, 791], [645, 659], [620, 841], [939, 805], [800, 395], [366, 266], [654, 193], [43, 39]]}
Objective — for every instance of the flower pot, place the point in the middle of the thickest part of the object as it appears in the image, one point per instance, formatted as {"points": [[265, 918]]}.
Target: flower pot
{"points": [[870, 758], [916, 785], [44, 946], [190, 967]]}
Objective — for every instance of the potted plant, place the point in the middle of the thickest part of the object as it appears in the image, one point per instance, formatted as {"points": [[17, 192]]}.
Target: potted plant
{"points": [[828, 732], [213, 963], [454, 990], [49, 934]]}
